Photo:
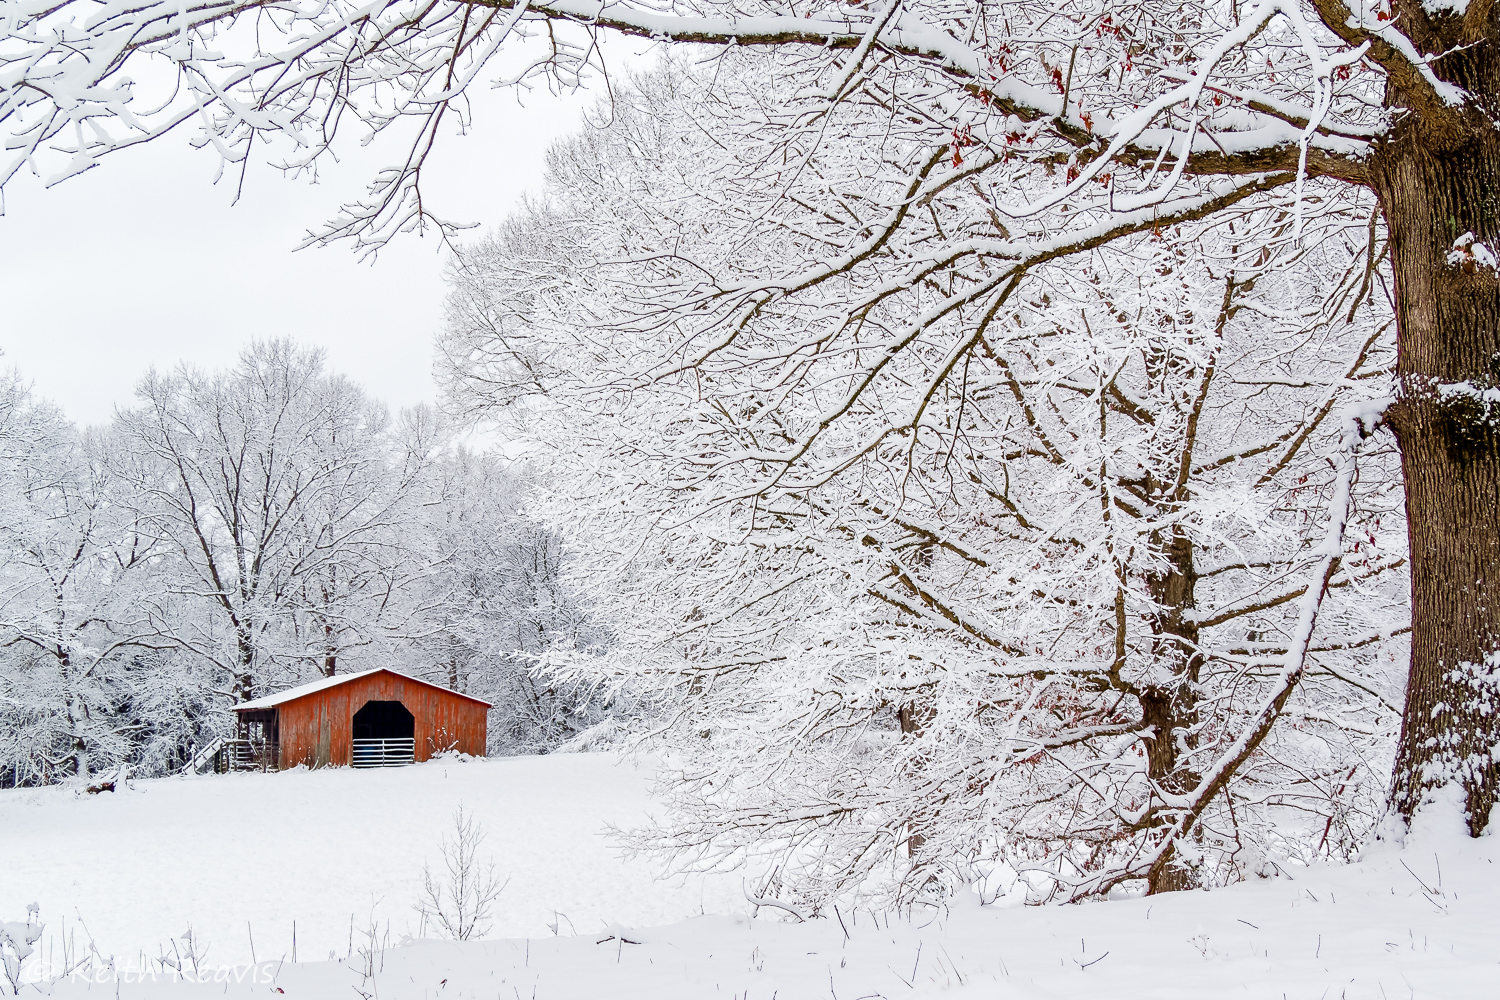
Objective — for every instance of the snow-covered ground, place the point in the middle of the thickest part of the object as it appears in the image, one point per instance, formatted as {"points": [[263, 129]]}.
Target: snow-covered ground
{"points": [[1418, 922], [244, 855]]}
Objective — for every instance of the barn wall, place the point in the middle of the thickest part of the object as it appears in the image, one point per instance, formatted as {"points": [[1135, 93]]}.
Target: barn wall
{"points": [[317, 729]]}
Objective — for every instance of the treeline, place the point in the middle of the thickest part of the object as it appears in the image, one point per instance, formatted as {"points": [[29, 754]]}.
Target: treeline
{"points": [[240, 531]]}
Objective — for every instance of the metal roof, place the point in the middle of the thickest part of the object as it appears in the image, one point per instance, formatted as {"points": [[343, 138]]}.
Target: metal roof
{"points": [[292, 694]]}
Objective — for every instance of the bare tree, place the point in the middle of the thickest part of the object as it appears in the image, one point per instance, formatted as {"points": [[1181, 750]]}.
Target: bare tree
{"points": [[458, 901], [271, 485], [495, 598]]}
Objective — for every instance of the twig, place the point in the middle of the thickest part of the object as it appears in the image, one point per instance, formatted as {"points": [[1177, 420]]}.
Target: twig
{"points": [[1414, 875]]}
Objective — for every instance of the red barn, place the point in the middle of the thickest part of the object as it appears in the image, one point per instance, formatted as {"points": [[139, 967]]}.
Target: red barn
{"points": [[378, 718]]}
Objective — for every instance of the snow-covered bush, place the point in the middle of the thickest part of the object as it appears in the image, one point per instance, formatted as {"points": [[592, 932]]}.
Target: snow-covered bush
{"points": [[17, 943]]}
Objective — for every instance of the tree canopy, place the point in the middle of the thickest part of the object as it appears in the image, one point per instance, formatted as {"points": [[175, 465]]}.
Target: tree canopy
{"points": [[877, 206]]}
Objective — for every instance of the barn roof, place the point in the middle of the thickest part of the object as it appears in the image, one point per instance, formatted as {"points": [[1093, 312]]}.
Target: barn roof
{"points": [[292, 694]]}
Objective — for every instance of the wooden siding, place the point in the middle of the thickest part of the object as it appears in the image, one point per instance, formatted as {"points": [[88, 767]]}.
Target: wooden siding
{"points": [[317, 728]]}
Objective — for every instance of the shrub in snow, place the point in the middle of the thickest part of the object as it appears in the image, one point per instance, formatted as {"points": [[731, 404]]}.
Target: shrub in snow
{"points": [[17, 942], [458, 900]]}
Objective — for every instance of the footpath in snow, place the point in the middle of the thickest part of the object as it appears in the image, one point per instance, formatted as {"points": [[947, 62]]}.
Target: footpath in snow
{"points": [[1415, 922]]}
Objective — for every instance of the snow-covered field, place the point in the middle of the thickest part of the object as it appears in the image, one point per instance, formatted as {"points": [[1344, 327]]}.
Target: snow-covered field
{"points": [[253, 852], [247, 854]]}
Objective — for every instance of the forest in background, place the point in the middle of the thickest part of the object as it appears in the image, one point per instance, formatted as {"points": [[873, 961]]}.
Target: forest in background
{"points": [[242, 531]]}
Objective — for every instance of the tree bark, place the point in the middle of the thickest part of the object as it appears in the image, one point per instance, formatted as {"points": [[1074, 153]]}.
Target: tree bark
{"points": [[77, 711], [330, 651], [1172, 709], [1438, 180], [914, 717], [243, 688]]}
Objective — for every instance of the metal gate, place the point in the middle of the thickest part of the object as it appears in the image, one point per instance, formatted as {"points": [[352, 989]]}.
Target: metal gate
{"points": [[383, 753]]}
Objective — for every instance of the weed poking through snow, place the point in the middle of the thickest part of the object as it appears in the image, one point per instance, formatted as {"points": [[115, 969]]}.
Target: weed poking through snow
{"points": [[459, 903]]}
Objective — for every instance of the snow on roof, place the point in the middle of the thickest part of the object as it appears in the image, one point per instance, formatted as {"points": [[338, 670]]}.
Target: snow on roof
{"points": [[292, 694]]}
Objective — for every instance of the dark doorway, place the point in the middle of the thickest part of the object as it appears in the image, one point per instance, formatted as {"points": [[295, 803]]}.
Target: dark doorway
{"points": [[384, 720]]}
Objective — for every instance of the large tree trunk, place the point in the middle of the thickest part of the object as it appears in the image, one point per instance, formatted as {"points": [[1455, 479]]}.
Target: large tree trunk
{"points": [[914, 718], [1438, 180], [330, 651], [76, 712], [243, 687], [1172, 709]]}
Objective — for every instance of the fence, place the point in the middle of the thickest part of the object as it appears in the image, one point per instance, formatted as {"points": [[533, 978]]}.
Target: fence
{"points": [[245, 755], [383, 753]]}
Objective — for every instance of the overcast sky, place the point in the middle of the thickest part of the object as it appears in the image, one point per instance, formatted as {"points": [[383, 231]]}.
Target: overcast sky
{"points": [[144, 262]]}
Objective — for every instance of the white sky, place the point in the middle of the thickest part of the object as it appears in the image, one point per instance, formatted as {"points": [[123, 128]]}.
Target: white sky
{"points": [[144, 262]]}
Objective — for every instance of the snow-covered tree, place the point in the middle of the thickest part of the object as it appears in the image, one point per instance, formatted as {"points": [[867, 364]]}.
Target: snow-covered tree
{"points": [[1088, 123], [248, 530], [495, 599], [275, 490], [977, 561], [71, 621]]}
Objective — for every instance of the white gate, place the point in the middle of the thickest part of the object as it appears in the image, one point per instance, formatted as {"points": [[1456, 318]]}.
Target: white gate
{"points": [[384, 753]]}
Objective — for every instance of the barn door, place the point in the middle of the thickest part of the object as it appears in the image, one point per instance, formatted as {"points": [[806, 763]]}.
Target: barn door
{"points": [[384, 735]]}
